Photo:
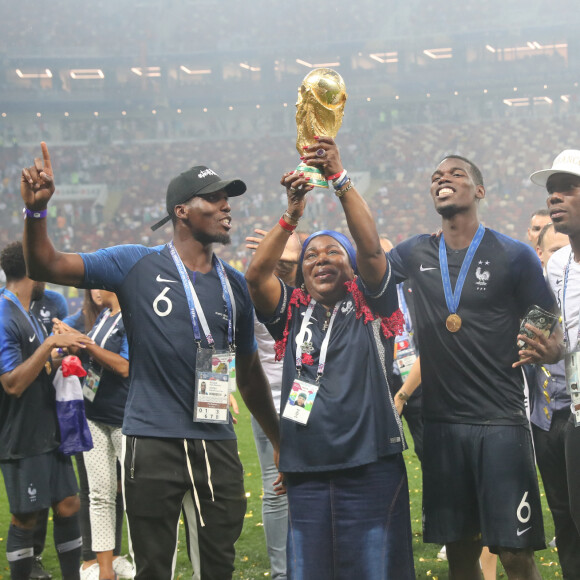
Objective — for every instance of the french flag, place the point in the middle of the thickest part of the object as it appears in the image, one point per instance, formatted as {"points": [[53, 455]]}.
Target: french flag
{"points": [[75, 436]]}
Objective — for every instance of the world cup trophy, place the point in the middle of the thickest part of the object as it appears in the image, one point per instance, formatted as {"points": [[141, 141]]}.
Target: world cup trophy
{"points": [[319, 111]]}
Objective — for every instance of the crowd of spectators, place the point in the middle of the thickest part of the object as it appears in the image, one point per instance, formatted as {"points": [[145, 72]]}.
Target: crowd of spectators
{"points": [[135, 28], [395, 163]]}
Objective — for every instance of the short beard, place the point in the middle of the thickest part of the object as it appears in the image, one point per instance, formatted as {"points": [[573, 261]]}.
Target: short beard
{"points": [[448, 211], [206, 239]]}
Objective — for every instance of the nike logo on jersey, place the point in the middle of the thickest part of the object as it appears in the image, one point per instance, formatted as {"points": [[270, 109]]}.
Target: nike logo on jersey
{"points": [[520, 532], [160, 279], [423, 269], [31, 338]]}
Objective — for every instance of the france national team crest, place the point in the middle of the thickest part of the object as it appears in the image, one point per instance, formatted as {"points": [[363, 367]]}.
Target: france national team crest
{"points": [[482, 275]]}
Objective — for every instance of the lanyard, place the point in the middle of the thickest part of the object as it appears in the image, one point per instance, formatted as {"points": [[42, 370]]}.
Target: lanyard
{"points": [[109, 332], [566, 272], [33, 322], [195, 309], [324, 347], [452, 298], [404, 308]]}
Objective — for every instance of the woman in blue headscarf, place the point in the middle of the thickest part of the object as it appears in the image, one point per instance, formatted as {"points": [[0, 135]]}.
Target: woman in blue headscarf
{"points": [[341, 445]]}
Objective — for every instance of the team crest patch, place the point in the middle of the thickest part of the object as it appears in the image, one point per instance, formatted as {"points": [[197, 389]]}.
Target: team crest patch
{"points": [[347, 308], [482, 275]]}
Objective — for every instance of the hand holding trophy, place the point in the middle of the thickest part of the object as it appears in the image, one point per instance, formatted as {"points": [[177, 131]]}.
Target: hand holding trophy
{"points": [[319, 112]]}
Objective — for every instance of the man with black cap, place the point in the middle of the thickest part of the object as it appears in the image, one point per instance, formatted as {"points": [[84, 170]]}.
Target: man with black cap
{"points": [[186, 313], [562, 182]]}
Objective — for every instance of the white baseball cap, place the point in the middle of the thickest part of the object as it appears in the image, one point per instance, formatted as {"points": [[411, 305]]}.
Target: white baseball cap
{"points": [[567, 162]]}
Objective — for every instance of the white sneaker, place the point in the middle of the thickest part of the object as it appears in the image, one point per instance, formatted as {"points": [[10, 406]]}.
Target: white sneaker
{"points": [[90, 573], [442, 554], [123, 567]]}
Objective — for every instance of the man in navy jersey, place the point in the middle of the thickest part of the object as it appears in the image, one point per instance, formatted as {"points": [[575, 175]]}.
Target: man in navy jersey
{"points": [[183, 309], [472, 285], [51, 305], [37, 476]]}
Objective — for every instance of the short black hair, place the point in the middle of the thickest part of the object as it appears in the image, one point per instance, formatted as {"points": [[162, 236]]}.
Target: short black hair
{"points": [[475, 171], [542, 211], [12, 261], [543, 233]]}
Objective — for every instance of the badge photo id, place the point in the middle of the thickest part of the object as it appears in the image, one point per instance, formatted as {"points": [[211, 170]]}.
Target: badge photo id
{"points": [[211, 398], [91, 384], [300, 401]]}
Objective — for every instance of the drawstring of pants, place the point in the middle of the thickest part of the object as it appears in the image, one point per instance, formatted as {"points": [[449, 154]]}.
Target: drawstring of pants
{"points": [[209, 482]]}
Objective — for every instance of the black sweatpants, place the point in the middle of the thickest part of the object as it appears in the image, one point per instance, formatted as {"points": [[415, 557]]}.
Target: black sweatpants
{"points": [[158, 483]]}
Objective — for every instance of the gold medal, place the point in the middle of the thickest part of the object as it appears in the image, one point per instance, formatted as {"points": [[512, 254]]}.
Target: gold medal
{"points": [[48, 367], [453, 323]]}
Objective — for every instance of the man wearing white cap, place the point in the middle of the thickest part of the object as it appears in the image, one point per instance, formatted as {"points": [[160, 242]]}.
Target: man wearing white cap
{"points": [[562, 183]]}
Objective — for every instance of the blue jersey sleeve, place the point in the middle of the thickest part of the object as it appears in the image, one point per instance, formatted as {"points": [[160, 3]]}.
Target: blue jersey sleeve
{"points": [[10, 349], [124, 352], [385, 300], [398, 259], [531, 286], [107, 268]]}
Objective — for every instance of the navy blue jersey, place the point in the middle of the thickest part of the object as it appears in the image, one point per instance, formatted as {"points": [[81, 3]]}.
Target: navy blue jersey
{"points": [[28, 424], [51, 305], [467, 376], [353, 420], [76, 320], [109, 404], [161, 341]]}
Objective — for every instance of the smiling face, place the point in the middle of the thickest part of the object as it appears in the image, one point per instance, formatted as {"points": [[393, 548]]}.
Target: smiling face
{"points": [[326, 267], [454, 189], [564, 202], [207, 217]]}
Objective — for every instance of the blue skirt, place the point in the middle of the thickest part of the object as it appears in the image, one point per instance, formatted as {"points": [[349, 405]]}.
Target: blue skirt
{"points": [[351, 523]]}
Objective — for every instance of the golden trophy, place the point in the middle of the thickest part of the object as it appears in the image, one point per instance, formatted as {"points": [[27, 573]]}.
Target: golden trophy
{"points": [[319, 111]]}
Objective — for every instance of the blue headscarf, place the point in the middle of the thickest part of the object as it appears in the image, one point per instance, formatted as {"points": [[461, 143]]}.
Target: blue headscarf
{"points": [[340, 238]]}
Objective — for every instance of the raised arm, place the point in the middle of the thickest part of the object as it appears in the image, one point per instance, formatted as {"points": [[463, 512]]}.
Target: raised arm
{"points": [[43, 261], [371, 261], [263, 284]]}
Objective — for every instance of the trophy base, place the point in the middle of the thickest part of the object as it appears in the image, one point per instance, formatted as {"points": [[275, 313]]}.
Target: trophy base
{"points": [[316, 176]]}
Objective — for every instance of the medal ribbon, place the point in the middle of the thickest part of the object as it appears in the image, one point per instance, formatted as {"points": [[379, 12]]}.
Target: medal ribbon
{"points": [[195, 309], [452, 298], [325, 342], [33, 322]]}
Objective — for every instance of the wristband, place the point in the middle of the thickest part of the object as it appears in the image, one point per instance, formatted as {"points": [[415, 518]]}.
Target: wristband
{"points": [[333, 177], [340, 192], [286, 226], [30, 213], [337, 184], [404, 396], [289, 219]]}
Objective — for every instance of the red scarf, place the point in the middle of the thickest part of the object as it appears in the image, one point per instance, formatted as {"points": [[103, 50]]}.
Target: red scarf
{"points": [[390, 325]]}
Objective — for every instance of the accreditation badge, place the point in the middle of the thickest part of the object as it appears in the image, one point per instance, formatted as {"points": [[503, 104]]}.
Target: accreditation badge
{"points": [[573, 383], [224, 362], [211, 398], [405, 355], [91, 383], [300, 402]]}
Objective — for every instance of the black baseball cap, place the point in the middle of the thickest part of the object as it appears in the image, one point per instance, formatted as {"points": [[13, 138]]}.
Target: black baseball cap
{"points": [[199, 180]]}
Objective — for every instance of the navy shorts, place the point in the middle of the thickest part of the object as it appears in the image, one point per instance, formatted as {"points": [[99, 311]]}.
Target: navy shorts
{"points": [[38, 482], [480, 482]]}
